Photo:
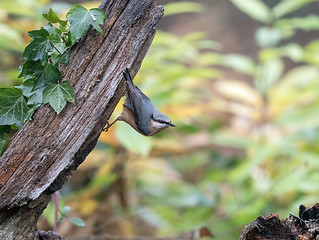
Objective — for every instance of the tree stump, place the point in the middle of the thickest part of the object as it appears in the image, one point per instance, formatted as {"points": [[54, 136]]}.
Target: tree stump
{"points": [[304, 227], [47, 149]]}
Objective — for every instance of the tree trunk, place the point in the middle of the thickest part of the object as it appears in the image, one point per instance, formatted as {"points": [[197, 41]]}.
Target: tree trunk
{"points": [[47, 149]]}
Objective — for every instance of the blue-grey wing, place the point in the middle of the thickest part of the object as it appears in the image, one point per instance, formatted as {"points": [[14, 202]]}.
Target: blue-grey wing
{"points": [[160, 117], [141, 106]]}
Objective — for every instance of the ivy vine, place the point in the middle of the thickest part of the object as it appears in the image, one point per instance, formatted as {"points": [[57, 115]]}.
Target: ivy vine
{"points": [[49, 47]]}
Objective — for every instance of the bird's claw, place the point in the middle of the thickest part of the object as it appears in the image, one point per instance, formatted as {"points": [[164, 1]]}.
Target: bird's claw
{"points": [[106, 128]]}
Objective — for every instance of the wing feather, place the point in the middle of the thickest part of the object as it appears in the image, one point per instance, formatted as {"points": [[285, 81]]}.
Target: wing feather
{"points": [[141, 106]]}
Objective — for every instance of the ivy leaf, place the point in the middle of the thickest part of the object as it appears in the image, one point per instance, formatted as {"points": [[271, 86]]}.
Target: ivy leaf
{"points": [[60, 58], [45, 75], [57, 94], [4, 143], [24, 69], [53, 94], [54, 33], [52, 17], [36, 97], [13, 107], [32, 109], [81, 18], [27, 69], [55, 38], [38, 34], [26, 87], [70, 40], [38, 47], [29, 77], [5, 129], [77, 221]]}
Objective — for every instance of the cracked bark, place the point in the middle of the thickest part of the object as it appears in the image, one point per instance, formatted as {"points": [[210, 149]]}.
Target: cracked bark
{"points": [[303, 227], [49, 148]]}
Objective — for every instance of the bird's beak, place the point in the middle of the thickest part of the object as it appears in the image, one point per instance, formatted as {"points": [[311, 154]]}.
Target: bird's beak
{"points": [[172, 125]]}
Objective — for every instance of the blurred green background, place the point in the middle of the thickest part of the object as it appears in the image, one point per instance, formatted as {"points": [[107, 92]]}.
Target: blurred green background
{"points": [[240, 79]]}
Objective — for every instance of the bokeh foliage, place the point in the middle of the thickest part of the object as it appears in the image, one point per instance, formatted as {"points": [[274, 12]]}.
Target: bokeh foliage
{"points": [[241, 148]]}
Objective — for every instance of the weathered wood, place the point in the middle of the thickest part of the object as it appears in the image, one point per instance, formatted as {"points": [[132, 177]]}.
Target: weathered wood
{"points": [[304, 227], [47, 149], [50, 235]]}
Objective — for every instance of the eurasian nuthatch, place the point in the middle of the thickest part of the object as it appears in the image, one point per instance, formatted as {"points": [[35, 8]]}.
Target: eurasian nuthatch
{"points": [[139, 111]]}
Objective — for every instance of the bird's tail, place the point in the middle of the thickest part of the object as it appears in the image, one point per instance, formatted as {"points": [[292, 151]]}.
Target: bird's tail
{"points": [[127, 75]]}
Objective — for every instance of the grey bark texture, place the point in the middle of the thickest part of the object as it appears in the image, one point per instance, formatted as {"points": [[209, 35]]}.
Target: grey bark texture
{"points": [[47, 149]]}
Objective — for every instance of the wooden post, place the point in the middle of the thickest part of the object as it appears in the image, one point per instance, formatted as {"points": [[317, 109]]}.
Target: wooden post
{"points": [[47, 149]]}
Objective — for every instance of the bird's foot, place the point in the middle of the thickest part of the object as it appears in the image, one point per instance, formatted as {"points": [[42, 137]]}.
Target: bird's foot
{"points": [[106, 128]]}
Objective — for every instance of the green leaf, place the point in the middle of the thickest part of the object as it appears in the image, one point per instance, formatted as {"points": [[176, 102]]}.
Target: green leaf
{"points": [[68, 91], [29, 77], [36, 97], [46, 74], [301, 76], [32, 109], [5, 129], [256, 9], [58, 94], [38, 34], [55, 38], [66, 210], [287, 6], [81, 18], [14, 108], [292, 50], [4, 143], [53, 95], [132, 140], [268, 37], [52, 17], [26, 87], [311, 52], [268, 74], [77, 221], [60, 58], [182, 7], [290, 25], [54, 32], [24, 69], [239, 62], [70, 40], [38, 47]]}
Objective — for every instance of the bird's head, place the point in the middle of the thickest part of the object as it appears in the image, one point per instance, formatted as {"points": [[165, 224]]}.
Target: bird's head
{"points": [[159, 121]]}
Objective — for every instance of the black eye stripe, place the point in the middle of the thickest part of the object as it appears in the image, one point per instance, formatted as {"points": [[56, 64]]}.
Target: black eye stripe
{"points": [[160, 121]]}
